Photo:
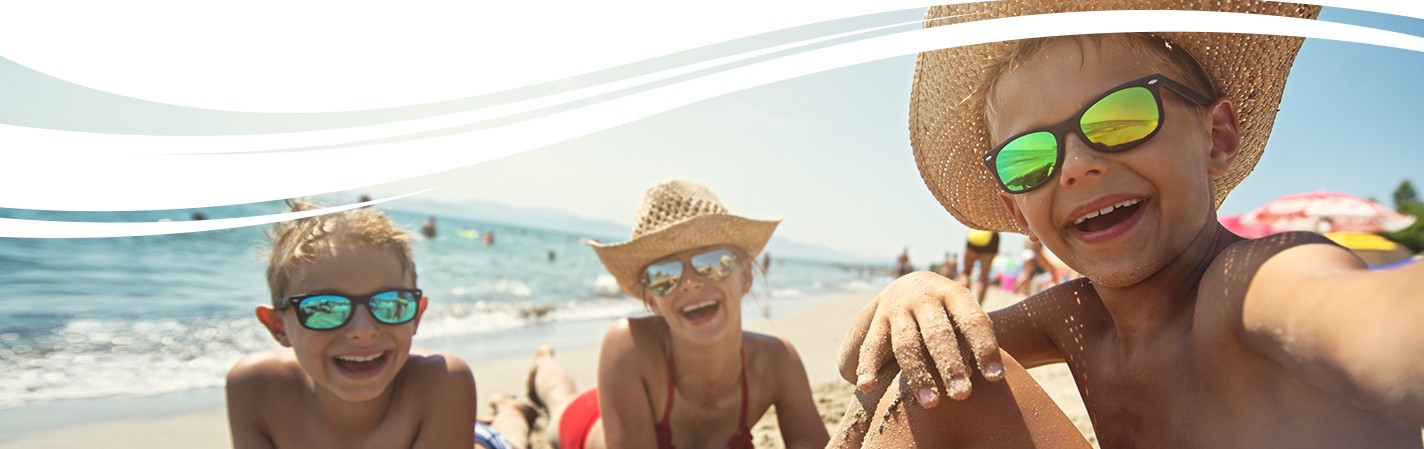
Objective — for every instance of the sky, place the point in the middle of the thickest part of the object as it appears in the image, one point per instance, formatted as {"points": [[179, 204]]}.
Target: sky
{"points": [[829, 152], [360, 99]]}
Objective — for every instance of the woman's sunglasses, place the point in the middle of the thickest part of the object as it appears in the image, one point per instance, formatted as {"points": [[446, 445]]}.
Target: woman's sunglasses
{"points": [[663, 276], [326, 311], [1119, 120]]}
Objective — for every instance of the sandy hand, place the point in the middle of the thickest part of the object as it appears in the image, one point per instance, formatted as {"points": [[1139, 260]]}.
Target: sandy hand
{"points": [[918, 314]]}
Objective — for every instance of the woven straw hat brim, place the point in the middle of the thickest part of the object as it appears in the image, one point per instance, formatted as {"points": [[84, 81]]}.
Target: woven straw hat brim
{"points": [[626, 260], [947, 100]]}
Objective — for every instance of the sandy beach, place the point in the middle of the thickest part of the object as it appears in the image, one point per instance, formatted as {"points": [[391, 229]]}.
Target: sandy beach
{"points": [[816, 330]]}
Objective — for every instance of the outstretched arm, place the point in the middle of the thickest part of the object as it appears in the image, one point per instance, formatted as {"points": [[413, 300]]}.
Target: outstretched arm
{"points": [[1320, 313]]}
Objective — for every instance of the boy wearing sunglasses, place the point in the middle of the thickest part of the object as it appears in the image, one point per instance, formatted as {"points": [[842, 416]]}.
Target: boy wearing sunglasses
{"points": [[344, 299], [1114, 152]]}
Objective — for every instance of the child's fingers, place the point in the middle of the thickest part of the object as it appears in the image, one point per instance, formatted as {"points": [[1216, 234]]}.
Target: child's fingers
{"points": [[978, 332], [910, 354], [855, 337], [943, 347], [874, 352]]}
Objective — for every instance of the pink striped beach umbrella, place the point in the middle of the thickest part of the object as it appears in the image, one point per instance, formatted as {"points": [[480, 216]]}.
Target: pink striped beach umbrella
{"points": [[1325, 212], [1233, 224]]}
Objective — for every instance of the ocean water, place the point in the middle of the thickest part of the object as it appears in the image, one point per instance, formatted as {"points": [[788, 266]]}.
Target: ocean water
{"points": [[141, 316]]}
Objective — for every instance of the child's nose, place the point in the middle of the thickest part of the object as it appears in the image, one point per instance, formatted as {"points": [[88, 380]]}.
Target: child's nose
{"points": [[692, 282], [1080, 162], [362, 325]]}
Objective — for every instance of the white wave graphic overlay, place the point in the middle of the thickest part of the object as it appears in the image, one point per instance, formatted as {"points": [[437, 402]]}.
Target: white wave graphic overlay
{"points": [[328, 55], [90, 144], [17, 228], [145, 181]]}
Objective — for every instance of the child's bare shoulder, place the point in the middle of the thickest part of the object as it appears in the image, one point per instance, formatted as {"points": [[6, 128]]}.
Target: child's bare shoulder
{"points": [[435, 370], [770, 349], [649, 331], [1253, 252], [433, 384], [259, 381], [1239, 266], [756, 341], [1050, 305], [265, 369], [1273, 266]]}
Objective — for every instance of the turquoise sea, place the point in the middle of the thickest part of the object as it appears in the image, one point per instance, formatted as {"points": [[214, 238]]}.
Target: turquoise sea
{"points": [[120, 318]]}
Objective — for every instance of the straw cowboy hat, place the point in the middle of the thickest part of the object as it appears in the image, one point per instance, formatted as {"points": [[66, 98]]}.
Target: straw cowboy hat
{"points": [[947, 128], [675, 216]]}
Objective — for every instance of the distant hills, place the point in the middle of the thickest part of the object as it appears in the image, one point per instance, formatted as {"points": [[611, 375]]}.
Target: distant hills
{"points": [[557, 220]]}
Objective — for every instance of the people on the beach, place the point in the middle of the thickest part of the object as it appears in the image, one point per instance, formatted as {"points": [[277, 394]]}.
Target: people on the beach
{"points": [[980, 247], [345, 300], [1115, 151], [687, 376], [902, 263], [1034, 264], [428, 229], [950, 268]]}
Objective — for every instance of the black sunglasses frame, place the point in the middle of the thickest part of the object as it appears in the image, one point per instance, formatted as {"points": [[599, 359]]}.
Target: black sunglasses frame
{"points": [[302, 317], [686, 263], [1153, 83]]}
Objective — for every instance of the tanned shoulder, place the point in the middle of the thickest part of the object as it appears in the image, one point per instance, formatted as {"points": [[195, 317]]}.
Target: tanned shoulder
{"points": [[437, 370], [1234, 269], [1030, 330]]}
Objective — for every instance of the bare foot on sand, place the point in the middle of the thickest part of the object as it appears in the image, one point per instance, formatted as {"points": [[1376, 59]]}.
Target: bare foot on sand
{"points": [[513, 419]]}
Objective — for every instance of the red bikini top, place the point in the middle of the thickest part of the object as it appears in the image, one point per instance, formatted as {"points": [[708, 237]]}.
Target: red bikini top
{"points": [[741, 440]]}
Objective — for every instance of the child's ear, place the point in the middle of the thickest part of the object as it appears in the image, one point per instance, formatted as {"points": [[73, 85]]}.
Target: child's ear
{"points": [[1013, 209], [419, 312], [1225, 136], [272, 320]]}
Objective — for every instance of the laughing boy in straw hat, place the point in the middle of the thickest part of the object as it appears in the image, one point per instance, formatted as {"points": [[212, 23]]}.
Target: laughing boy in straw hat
{"points": [[1114, 151]]}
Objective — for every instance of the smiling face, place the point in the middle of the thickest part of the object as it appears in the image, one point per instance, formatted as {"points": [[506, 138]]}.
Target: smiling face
{"points": [[1120, 217], [355, 362], [703, 310]]}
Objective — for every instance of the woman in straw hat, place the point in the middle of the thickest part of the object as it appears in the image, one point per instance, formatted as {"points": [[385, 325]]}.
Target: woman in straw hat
{"points": [[688, 376], [1114, 151]]}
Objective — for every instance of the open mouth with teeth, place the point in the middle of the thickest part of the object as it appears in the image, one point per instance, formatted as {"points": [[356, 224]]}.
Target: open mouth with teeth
{"points": [[701, 312], [361, 366], [1107, 217]]}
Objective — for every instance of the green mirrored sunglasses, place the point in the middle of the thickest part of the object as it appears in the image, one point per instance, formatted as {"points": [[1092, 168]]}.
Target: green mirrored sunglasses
{"points": [[1119, 120]]}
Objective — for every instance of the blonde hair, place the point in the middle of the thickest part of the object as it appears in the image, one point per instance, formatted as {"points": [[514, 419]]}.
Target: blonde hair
{"points": [[298, 242], [1156, 51]]}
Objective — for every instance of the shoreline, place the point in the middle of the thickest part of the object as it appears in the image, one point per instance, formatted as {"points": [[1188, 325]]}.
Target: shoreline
{"points": [[198, 418]]}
